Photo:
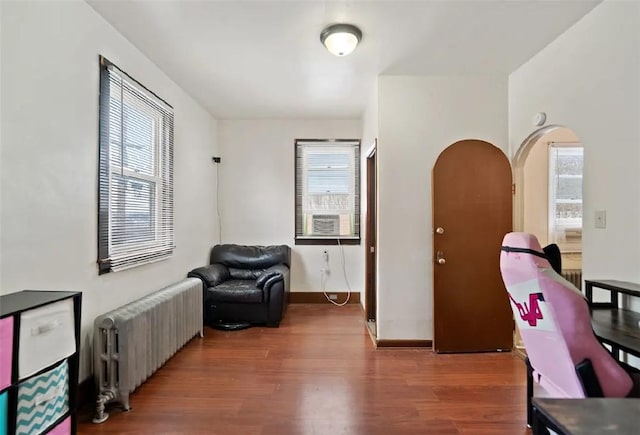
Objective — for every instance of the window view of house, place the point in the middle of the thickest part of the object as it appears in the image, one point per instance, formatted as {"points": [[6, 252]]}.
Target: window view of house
{"points": [[327, 190]]}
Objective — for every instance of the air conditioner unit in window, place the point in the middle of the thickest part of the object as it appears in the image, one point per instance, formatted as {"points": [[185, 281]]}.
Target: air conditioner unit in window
{"points": [[326, 224]]}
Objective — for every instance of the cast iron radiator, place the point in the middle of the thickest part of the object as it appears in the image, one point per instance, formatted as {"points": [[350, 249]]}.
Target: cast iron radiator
{"points": [[574, 276], [133, 341]]}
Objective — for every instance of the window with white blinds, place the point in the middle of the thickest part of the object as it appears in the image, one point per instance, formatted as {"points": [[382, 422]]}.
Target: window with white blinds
{"points": [[327, 199], [135, 197]]}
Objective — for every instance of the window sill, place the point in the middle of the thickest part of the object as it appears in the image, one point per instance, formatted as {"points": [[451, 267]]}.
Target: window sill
{"points": [[327, 241]]}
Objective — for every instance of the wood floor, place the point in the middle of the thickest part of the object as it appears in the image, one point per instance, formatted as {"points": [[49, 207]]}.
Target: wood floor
{"points": [[319, 373]]}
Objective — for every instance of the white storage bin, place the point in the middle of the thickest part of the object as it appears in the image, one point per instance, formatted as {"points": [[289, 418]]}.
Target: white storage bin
{"points": [[46, 336]]}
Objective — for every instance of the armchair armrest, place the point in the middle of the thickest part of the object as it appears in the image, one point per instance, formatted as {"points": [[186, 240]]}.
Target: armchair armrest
{"points": [[211, 275], [276, 292], [282, 270], [268, 278]]}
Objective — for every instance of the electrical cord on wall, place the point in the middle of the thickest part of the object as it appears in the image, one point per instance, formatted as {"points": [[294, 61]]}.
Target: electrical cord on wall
{"points": [[346, 280], [217, 162]]}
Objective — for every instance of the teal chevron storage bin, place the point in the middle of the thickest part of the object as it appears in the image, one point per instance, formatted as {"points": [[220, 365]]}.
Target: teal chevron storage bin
{"points": [[42, 400], [4, 413]]}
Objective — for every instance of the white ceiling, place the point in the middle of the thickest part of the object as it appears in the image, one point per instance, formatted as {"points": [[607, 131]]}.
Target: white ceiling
{"points": [[264, 59]]}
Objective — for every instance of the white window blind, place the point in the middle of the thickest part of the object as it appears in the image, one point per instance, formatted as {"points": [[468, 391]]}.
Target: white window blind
{"points": [[327, 189], [565, 196], [135, 218]]}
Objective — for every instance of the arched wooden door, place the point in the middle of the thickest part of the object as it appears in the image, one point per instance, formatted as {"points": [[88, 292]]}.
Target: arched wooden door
{"points": [[472, 211]]}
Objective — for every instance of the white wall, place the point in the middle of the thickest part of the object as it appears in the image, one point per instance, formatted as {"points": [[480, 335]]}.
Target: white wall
{"points": [[588, 79], [257, 195], [418, 118], [50, 78]]}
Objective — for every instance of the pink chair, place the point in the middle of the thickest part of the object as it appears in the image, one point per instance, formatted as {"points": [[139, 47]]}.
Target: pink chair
{"points": [[567, 359]]}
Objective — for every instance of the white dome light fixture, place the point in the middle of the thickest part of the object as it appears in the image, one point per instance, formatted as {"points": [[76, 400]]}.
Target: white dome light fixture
{"points": [[341, 39]]}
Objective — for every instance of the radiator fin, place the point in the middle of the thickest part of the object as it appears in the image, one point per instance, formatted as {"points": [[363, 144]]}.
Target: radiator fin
{"points": [[574, 276], [136, 339]]}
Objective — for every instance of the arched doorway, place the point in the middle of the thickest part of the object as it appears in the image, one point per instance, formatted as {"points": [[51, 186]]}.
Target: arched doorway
{"points": [[472, 211], [548, 173]]}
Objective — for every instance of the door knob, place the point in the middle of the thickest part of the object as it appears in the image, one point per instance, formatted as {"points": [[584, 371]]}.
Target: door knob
{"points": [[440, 257], [439, 230]]}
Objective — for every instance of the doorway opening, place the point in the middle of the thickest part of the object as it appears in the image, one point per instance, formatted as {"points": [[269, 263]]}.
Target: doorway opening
{"points": [[371, 249], [548, 174], [548, 171]]}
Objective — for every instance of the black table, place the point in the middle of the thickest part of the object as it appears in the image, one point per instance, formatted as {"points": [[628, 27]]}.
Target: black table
{"points": [[616, 327], [586, 416]]}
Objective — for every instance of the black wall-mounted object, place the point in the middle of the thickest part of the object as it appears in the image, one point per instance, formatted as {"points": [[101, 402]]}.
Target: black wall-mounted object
{"points": [[216, 159]]}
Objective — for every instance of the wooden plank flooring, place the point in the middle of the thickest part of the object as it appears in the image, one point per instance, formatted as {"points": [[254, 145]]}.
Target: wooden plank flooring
{"points": [[319, 373]]}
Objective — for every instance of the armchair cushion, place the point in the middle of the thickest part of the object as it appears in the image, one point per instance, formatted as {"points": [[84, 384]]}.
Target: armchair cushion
{"points": [[250, 274], [237, 291]]}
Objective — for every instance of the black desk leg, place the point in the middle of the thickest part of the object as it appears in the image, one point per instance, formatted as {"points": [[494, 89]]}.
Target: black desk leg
{"points": [[615, 352], [535, 422], [529, 391], [538, 426]]}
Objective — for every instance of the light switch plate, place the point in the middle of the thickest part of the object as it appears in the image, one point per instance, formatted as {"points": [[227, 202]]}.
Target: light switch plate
{"points": [[601, 219]]}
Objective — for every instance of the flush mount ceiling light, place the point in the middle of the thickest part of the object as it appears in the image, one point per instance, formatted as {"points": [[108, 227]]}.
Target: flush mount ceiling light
{"points": [[341, 39]]}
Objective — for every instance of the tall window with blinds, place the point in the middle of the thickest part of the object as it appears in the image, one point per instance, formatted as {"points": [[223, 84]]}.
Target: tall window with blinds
{"points": [[135, 196], [327, 199]]}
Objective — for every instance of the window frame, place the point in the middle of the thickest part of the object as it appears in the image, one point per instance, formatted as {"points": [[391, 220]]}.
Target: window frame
{"points": [[160, 245], [300, 184]]}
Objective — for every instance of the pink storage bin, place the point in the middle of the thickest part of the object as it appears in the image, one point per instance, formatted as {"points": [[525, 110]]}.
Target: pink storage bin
{"points": [[64, 428], [6, 351]]}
